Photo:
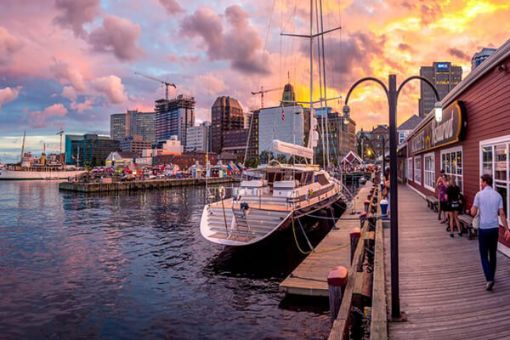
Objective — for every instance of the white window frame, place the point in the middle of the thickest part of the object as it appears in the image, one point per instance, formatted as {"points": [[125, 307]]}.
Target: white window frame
{"points": [[431, 173], [451, 150], [492, 143], [410, 167], [420, 158]]}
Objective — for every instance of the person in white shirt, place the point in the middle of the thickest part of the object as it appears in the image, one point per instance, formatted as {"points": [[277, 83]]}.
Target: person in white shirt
{"points": [[489, 204]]}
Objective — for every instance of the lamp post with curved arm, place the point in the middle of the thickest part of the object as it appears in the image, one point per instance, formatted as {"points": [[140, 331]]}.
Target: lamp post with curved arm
{"points": [[392, 94]]}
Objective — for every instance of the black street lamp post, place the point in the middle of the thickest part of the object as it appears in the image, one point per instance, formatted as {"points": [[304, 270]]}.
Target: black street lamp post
{"points": [[383, 153], [392, 95]]}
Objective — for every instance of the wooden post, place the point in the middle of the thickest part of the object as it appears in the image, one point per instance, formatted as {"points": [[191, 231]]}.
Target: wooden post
{"points": [[367, 204], [362, 219], [337, 280], [354, 235]]}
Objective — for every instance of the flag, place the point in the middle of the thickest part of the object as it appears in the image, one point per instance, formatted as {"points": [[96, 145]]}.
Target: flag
{"points": [[283, 114]]}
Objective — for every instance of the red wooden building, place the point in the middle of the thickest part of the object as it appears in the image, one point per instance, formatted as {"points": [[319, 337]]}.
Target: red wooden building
{"points": [[471, 139]]}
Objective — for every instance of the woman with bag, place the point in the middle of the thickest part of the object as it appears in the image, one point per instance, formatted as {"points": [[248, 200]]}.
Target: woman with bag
{"points": [[441, 185], [454, 206]]}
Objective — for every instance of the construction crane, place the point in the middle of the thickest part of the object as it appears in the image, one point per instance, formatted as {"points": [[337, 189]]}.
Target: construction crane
{"points": [[262, 91], [159, 81], [60, 132]]}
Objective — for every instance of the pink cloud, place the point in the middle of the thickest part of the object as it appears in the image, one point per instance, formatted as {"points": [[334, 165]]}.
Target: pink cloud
{"points": [[68, 75], [111, 87], [9, 44], [172, 6], [240, 44], [38, 119], [119, 36], [8, 94], [80, 107], [75, 13], [69, 92]]}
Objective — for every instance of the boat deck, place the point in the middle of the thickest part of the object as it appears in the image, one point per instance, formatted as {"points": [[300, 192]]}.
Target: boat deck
{"points": [[442, 287], [310, 277]]}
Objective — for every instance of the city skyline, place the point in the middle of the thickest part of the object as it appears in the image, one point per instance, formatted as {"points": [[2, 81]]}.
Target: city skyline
{"points": [[74, 65]]}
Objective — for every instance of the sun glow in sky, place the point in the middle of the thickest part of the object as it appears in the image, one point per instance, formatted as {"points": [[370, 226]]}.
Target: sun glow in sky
{"points": [[72, 63]]}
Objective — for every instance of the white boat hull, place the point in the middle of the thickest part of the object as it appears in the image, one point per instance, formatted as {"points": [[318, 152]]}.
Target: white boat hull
{"points": [[38, 175]]}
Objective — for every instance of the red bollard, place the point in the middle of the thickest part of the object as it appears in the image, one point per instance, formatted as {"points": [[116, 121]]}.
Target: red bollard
{"points": [[355, 235], [337, 280]]}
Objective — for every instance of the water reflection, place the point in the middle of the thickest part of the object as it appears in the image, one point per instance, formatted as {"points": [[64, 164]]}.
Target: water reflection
{"points": [[134, 265]]}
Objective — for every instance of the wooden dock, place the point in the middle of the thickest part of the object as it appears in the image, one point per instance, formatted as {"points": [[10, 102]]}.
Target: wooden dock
{"points": [[141, 185], [310, 277], [442, 287]]}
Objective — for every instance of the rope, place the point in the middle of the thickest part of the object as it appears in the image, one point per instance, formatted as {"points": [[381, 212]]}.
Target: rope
{"points": [[224, 216], [304, 234], [296, 240]]}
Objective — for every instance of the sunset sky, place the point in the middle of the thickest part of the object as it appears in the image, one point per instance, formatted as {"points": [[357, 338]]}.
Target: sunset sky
{"points": [[72, 63]]}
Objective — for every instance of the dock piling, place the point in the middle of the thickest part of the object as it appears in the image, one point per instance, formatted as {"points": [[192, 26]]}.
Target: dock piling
{"points": [[337, 280], [354, 236]]}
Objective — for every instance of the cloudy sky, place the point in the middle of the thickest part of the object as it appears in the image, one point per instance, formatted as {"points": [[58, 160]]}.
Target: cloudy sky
{"points": [[72, 63]]}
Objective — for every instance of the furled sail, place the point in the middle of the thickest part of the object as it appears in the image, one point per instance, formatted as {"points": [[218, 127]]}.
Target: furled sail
{"points": [[292, 149]]}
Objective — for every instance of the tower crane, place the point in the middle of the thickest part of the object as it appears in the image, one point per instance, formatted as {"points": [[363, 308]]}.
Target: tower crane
{"points": [[261, 93], [159, 81]]}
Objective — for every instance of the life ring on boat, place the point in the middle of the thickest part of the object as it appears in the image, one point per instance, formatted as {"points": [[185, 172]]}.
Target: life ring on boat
{"points": [[310, 192], [221, 192]]}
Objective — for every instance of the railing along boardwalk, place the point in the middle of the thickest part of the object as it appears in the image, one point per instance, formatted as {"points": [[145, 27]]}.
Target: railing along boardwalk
{"points": [[442, 287], [310, 276]]}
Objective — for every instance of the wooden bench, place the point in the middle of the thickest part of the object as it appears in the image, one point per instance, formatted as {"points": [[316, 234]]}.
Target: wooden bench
{"points": [[467, 223], [432, 203]]}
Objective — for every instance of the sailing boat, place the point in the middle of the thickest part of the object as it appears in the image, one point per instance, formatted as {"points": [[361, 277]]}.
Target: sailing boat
{"points": [[273, 195]]}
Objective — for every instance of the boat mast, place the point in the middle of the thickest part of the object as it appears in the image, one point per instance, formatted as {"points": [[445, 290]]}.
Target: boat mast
{"points": [[310, 132]]}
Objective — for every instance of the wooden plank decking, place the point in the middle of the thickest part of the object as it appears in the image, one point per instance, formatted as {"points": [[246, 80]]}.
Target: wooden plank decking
{"points": [[310, 277], [442, 287]]}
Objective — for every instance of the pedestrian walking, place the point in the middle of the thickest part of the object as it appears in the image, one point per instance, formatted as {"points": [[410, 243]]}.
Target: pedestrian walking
{"points": [[453, 206], [489, 204], [441, 185]]}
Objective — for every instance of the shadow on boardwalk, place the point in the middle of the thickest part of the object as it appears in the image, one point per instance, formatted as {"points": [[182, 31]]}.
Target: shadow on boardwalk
{"points": [[442, 287]]}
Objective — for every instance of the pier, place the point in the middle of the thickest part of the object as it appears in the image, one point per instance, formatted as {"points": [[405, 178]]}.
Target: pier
{"points": [[142, 184], [310, 277], [442, 287]]}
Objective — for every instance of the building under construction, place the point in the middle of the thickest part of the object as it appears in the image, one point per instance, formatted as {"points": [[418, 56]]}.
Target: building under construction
{"points": [[174, 117]]}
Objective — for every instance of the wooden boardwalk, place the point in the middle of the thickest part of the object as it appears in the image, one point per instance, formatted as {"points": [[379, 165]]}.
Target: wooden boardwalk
{"points": [[310, 276], [442, 287]]}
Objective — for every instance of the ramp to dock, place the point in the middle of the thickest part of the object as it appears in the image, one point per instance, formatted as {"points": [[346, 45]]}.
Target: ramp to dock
{"points": [[442, 286], [310, 276]]}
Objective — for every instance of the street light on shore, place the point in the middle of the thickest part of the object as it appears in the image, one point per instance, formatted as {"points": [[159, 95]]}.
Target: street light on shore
{"points": [[392, 94]]}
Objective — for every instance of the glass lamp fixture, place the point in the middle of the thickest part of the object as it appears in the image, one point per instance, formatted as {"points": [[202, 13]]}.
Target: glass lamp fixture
{"points": [[438, 112]]}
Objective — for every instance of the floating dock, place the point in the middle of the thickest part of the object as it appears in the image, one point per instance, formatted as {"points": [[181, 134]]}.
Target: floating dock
{"points": [[310, 277], [142, 185]]}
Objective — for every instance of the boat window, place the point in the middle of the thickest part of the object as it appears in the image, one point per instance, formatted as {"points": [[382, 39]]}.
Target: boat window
{"points": [[309, 178], [321, 179]]}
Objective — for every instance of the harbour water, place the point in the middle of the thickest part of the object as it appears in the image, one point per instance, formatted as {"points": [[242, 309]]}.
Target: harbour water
{"points": [[135, 266]]}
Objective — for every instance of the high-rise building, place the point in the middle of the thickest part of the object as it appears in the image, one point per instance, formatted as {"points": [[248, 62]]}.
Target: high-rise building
{"points": [[234, 144], [197, 138], [133, 123], [444, 76], [134, 144], [118, 126], [480, 57], [226, 114], [339, 137], [89, 149], [174, 117], [285, 123], [253, 137]]}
